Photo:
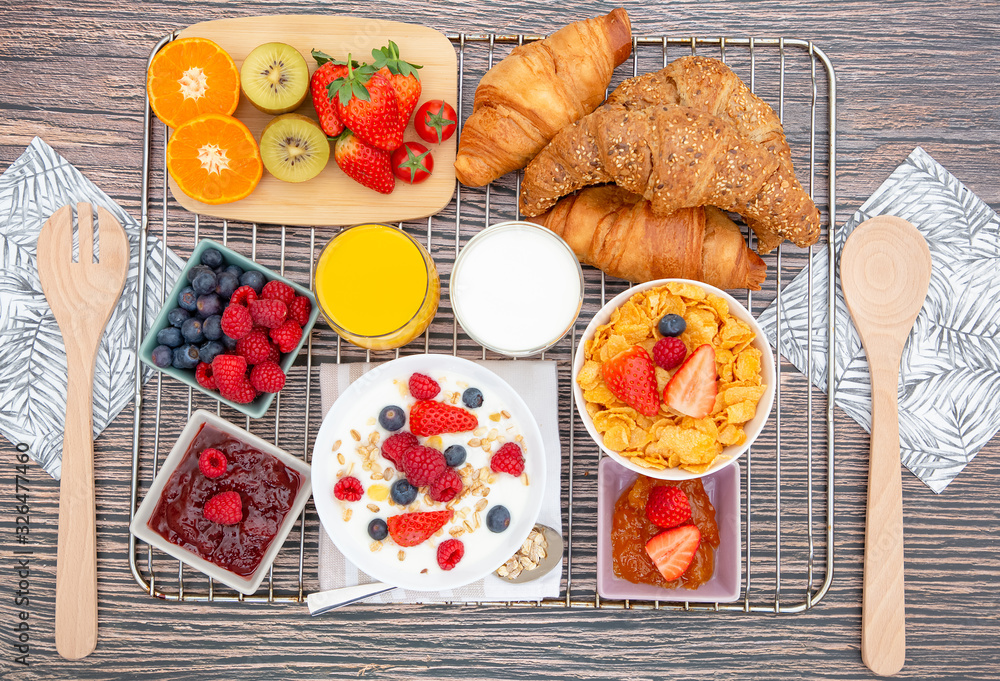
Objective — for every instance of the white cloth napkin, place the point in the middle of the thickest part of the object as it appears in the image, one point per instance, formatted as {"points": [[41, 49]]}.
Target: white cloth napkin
{"points": [[32, 353], [535, 382], [949, 384]]}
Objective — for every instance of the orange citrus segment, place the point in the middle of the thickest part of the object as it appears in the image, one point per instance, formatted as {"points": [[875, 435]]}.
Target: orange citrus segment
{"points": [[214, 159], [189, 77]]}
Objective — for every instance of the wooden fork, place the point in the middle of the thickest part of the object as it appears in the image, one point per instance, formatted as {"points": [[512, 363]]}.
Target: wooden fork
{"points": [[82, 296]]}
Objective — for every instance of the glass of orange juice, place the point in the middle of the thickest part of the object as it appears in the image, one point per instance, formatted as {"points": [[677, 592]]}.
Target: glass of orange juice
{"points": [[376, 286]]}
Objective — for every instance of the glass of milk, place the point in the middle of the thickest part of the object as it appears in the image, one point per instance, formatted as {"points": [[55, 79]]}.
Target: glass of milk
{"points": [[516, 288]]}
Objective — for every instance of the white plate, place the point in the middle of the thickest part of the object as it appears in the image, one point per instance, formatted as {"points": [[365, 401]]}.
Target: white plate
{"points": [[752, 428], [351, 408]]}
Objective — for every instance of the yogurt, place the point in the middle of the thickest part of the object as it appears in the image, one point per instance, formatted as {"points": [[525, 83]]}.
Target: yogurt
{"points": [[516, 288]]}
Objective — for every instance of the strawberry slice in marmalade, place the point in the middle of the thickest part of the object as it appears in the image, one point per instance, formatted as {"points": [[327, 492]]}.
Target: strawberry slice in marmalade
{"points": [[693, 388], [411, 529], [673, 550], [631, 377]]}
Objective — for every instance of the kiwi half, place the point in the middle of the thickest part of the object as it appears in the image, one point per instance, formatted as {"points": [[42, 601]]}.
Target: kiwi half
{"points": [[275, 78], [294, 148]]}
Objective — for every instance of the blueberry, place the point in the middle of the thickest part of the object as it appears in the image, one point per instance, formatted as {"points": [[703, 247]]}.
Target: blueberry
{"points": [[228, 343], [235, 269], [254, 280], [378, 530], [454, 455], [170, 336], [163, 356], [472, 398], [672, 325], [498, 519], [209, 304], [204, 282], [227, 283], [212, 327], [210, 350], [392, 417], [178, 316], [188, 299], [212, 257], [403, 493], [196, 270], [192, 331], [185, 357]]}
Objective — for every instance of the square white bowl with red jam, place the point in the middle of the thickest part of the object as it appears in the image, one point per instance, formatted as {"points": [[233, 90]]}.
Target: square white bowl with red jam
{"points": [[223, 502]]}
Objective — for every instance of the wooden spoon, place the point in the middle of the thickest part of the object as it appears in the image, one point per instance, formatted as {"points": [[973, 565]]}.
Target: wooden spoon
{"points": [[885, 269], [82, 296]]}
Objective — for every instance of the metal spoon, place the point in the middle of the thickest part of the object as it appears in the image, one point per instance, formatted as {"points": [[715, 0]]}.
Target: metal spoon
{"points": [[324, 601]]}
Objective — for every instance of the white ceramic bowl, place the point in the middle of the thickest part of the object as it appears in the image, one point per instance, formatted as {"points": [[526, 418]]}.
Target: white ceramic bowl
{"points": [[352, 408], [140, 528], [752, 428]]}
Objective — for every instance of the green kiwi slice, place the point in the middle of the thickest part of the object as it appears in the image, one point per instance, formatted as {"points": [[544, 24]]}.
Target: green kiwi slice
{"points": [[294, 148], [275, 78]]}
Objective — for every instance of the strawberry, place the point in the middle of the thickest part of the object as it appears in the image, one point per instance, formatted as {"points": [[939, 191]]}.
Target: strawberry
{"points": [[693, 388], [668, 506], [428, 417], [673, 550], [631, 376], [367, 104], [410, 529], [329, 70], [364, 163], [402, 75]]}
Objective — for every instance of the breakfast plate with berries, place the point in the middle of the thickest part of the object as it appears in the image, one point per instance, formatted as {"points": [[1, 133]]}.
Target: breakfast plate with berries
{"points": [[428, 472]]}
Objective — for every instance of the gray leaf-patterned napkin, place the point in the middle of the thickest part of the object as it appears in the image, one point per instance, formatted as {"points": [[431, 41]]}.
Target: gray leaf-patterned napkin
{"points": [[949, 389], [32, 354]]}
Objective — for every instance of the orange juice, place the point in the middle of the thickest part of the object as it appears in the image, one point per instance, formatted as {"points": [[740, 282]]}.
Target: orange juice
{"points": [[376, 286]]}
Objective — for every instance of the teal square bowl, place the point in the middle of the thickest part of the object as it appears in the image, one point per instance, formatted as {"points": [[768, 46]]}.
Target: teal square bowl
{"points": [[259, 406]]}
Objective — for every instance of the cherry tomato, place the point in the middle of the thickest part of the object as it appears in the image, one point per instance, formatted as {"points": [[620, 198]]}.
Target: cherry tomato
{"points": [[435, 121], [412, 162]]}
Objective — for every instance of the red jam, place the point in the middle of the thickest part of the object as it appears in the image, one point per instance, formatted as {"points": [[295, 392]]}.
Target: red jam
{"points": [[267, 488]]}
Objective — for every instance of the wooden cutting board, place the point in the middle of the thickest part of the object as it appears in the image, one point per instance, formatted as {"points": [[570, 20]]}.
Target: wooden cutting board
{"points": [[332, 198]]}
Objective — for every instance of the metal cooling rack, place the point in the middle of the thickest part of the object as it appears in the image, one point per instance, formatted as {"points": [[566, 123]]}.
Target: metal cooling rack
{"points": [[788, 476]]}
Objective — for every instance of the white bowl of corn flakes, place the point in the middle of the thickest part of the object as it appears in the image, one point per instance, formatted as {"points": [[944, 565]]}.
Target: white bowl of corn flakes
{"points": [[670, 445]]}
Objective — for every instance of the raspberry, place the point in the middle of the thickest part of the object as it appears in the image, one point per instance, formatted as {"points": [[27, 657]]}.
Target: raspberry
{"points": [[254, 347], [287, 336], [236, 321], [269, 313], [447, 486], [395, 446], [273, 355], [423, 465], [449, 553], [212, 463], [669, 352], [508, 459], [267, 377], [231, 378], [225, 508], [299, 310], [244, 295], [348, 489], [423, 387], [668, 506], [278, 290], [203, 374]]}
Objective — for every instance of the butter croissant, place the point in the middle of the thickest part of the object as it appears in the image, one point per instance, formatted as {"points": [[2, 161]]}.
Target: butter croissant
{"points": [[710, 85], [617, 232], [541, 87], [674, 156]]}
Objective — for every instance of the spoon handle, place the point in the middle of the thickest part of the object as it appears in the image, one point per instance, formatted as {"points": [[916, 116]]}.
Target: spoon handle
{"points": [[883, 624], [325, 601]]}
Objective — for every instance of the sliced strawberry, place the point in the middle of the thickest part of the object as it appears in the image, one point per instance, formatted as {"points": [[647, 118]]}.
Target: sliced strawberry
{"points": [[364, 163], [631, 376], [693, 388], [673, 550], [428, 417], [410, 529]]}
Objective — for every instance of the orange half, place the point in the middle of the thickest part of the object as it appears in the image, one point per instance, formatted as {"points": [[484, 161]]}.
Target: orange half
{"points": [[214, 159], [189, 77]]}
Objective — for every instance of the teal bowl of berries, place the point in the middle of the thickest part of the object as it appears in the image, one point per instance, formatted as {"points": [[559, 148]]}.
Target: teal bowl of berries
{"points": [[230, 328]]}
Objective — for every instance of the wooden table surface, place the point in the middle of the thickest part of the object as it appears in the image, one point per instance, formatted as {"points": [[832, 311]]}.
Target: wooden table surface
{"points": [[909, 73]]}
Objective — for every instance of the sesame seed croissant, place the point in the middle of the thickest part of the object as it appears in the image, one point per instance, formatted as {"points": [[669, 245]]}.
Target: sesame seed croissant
{"points": [[675, 157]]}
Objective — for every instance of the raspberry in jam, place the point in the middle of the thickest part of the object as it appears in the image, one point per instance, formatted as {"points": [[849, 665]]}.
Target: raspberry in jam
{"points": [[267, 488]]}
